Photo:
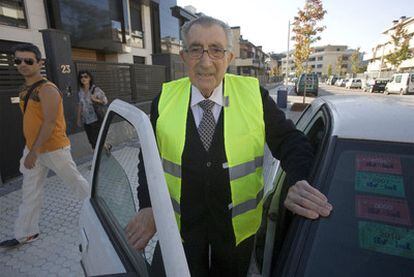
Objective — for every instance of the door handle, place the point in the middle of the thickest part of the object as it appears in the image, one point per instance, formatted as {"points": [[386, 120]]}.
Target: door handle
{"points": [[15, 100]]}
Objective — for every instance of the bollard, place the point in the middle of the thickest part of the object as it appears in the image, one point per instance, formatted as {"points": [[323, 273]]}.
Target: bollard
{"points": [[282, 98]]}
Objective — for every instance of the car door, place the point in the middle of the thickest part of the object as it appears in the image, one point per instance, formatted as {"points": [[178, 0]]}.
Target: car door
{"points": [[315, 123], [125, 159]]}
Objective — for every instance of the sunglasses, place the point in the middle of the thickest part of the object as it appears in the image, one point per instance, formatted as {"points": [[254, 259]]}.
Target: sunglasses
{"points": [[28, 61]]}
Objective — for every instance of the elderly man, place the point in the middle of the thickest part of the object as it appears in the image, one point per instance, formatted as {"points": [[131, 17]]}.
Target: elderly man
{"points": [[211, 129]]}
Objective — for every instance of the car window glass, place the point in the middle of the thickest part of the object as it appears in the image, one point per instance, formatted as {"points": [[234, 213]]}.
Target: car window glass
{"points": [[398, 79], [412, 78], [120, 171], [370, 231]]}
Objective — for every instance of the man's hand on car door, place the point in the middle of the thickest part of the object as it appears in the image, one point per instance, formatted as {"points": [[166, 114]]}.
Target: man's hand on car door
{"points": [[140, 229]]}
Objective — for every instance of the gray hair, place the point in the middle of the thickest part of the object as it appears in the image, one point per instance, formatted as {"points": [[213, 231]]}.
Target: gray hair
{"points": [[207, 21]]}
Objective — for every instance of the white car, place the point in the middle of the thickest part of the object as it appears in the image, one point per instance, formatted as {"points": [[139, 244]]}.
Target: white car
{"points": [[364, 158], [364, 164], [353, 83], [400, 83]]}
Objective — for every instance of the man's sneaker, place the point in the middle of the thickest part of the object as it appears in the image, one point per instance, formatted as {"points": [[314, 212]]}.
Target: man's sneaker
{"points": [[14, 242]]}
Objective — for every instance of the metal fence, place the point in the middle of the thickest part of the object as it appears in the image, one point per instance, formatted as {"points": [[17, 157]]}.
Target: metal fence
{"points": [[132, 83]]}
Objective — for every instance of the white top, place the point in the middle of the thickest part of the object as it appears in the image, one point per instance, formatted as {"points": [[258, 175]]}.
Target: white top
{"points": [[197, 97]]}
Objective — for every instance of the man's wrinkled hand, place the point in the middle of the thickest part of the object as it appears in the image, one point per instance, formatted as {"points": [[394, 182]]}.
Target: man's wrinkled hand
{"points": [[305, 200], [30, 160], [141, 229]]}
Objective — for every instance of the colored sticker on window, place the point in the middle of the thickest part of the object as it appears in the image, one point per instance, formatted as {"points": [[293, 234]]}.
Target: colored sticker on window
{"points": [[386, 239], [383, 209], [378, 163], [385, 184]]}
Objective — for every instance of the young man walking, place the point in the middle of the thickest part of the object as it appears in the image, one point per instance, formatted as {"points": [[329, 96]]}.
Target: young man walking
{"points": [[47, 145]]}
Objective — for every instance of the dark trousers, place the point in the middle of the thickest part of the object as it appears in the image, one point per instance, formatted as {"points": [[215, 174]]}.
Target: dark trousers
{"points": [[92, 132], [226, 259]]}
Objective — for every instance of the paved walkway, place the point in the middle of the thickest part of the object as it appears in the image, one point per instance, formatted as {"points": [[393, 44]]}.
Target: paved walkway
{"points": [[56, 252]]}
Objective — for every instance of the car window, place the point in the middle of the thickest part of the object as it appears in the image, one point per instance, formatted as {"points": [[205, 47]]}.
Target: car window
{"points": [[119, 172], [398, 78], [412, 78], [370, 231]]}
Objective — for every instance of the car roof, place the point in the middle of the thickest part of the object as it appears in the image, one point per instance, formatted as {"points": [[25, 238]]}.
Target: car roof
{"points": [[383, 118]]}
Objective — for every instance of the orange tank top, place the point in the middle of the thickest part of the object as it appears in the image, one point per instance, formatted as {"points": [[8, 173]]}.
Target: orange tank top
{"points": [[33, 119]]}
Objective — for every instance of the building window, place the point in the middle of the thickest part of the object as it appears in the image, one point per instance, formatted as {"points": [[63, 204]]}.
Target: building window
{"points": [[319, 66], [338, 49], [12, 13], [320, 58], [139, 60], [136, 19]]}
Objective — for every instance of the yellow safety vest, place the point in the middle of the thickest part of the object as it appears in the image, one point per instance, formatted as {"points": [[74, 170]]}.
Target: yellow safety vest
{"points": [[244, 139]]}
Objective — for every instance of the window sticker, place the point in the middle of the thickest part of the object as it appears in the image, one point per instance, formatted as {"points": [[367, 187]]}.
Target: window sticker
{"points": [[383, 209], [385, 184], [378, 163], [386, 239]]}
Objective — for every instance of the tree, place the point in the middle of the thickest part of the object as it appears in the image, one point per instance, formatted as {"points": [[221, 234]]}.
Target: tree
{"points": [[329, 70], [338, 66], [355, 62], [400, 40], [306, 29]]}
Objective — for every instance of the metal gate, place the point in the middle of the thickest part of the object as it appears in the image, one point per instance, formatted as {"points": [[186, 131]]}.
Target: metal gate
{"points": [[11, 135]]}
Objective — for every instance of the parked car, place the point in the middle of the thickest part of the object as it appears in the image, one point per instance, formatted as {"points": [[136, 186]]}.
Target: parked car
{"points": [[341, 82], [377, 85], [310, 81], [331, 80], [353, 83], [365, 171], [401, 83]]}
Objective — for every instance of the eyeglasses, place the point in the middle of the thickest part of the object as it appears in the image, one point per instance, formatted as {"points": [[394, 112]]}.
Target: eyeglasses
{"points": [[28, 61], [214, 52], [84, 76]]}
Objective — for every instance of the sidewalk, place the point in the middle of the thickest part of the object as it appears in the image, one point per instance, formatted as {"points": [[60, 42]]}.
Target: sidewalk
{"points": [[56, 253]]}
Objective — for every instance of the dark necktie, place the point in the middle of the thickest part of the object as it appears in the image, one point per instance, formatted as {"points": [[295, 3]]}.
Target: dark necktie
{"points": [[207, 123]]}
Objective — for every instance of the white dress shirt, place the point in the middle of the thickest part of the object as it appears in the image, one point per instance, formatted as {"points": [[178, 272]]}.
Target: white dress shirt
{"points": [[197, 97]]}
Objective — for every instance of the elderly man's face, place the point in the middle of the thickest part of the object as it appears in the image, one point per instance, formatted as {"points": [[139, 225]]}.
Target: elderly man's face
{"points": [[207, 71]]}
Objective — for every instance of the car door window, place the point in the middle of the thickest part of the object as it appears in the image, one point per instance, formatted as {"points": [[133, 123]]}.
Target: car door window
{"points": [[120, 172], [370, 231]]}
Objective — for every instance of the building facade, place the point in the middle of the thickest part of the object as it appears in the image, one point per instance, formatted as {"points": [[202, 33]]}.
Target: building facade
{"points": [[377, 63], [333, 58], [249, 59]]}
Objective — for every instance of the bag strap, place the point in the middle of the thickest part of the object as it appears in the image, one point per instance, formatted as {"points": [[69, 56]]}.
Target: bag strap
{"points": [[93, 90], [30, 91]]}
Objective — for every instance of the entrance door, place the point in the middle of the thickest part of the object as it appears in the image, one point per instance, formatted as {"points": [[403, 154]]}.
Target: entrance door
{"points": [[11, 138]]}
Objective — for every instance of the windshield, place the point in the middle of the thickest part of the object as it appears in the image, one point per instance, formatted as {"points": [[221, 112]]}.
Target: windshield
{"points": [[370, 232]]}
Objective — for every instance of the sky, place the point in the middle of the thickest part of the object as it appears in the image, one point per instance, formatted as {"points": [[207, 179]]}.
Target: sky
{"points": [[355, 23]]}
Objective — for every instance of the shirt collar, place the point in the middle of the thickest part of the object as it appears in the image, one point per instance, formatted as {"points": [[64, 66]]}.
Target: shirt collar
{"points": [[216, 96]]}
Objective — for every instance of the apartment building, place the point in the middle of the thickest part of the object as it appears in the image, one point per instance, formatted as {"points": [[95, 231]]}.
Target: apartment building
{"points": [[377, 64], [324, 57], [249, 59]]}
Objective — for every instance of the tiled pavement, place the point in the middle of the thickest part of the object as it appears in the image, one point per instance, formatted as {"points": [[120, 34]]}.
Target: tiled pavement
{"points": [[56, 252]]}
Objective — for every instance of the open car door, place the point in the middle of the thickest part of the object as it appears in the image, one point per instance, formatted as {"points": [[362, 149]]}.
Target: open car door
{"points": [[125, 135]]}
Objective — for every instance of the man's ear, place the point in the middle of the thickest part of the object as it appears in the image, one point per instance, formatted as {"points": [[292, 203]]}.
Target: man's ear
{"points": [[182, 55], [230, 57]]}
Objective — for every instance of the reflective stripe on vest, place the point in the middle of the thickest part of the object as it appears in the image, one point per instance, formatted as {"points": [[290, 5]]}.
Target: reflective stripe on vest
{"points": [[243, 126]]}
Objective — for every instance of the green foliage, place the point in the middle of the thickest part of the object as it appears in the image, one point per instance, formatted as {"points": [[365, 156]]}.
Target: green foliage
{"points": [[338, 66], [400, 40], [355, 61], [330, 70], [306, 29]]}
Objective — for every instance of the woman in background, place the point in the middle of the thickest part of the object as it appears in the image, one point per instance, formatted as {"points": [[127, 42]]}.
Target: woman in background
{"points": [[89, 94]]}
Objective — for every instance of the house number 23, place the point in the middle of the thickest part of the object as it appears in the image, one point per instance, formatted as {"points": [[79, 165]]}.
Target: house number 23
{"points": [[65, 68]]}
